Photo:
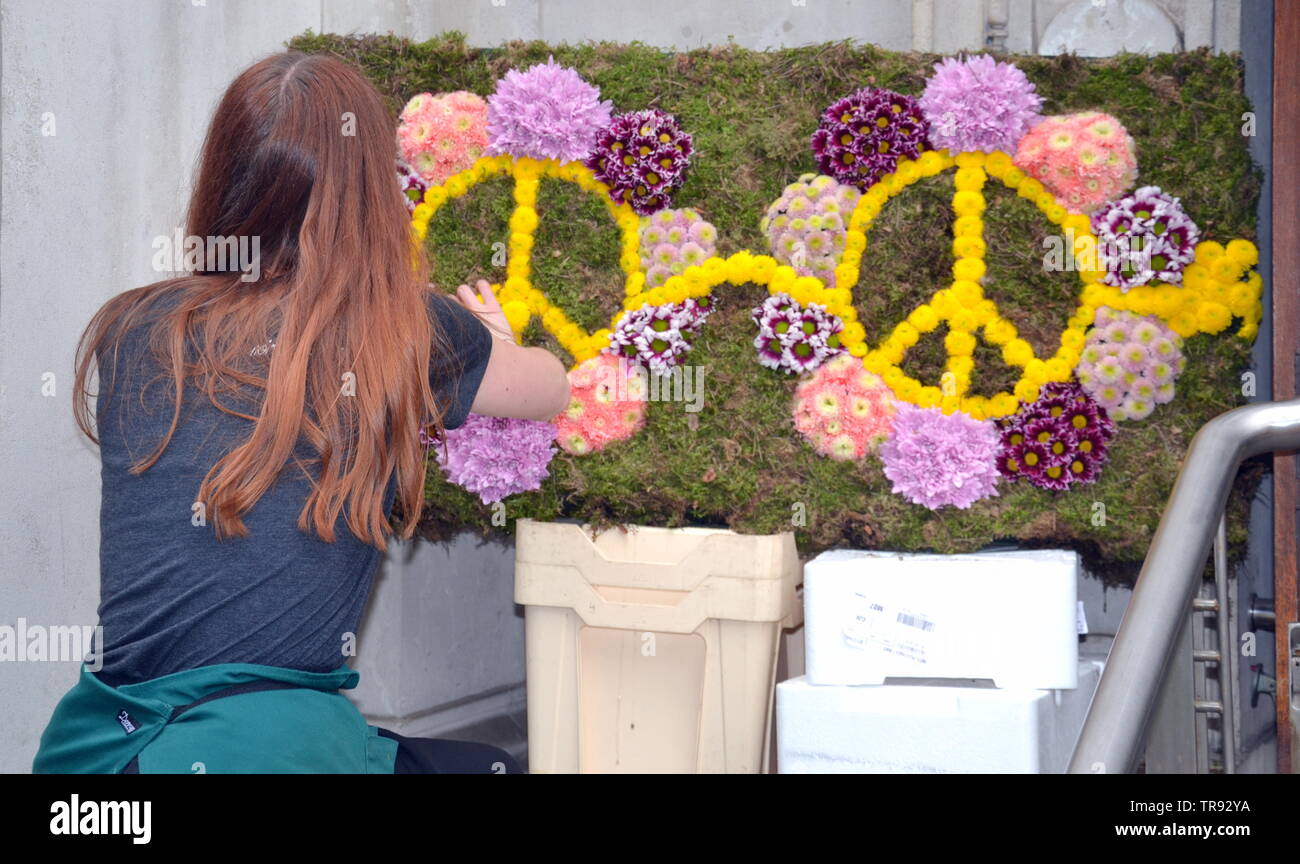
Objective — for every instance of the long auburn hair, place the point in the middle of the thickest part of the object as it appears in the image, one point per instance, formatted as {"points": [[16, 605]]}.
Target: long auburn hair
{"points": [[300, 154]]}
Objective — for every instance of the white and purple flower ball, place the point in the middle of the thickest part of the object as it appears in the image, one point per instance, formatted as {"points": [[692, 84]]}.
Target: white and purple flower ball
{"points": [[795, 338], [658, 337], [1143, 238]]}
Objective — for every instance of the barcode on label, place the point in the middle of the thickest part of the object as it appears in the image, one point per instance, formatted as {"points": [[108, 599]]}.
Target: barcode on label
{"points": [[919, 621]]}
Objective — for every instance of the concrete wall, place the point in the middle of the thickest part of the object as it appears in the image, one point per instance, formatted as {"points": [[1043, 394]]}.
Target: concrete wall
{"points": [[104, 105], [900, 25], [129, 88]]}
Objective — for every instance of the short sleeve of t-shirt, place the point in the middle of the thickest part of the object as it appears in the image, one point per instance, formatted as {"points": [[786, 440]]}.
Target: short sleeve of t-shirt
{"points": [[456, 377]]}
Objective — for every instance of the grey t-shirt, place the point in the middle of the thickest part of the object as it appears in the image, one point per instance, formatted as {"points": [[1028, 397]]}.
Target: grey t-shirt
{"points": [[173, 597]]}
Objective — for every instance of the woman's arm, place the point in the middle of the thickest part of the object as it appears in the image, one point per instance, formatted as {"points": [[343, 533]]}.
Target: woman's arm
{"points": [[529, 383]]}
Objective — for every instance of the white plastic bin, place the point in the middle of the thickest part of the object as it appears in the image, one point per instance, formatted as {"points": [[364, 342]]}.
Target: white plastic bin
{"points": [[1005, 616], [930, 729], [652, 649]]}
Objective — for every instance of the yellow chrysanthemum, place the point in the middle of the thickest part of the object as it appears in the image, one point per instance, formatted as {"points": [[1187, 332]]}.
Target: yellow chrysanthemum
{"points": [[968, 226], [959, 342], [968, 203], [969, 269], [923, 318]]}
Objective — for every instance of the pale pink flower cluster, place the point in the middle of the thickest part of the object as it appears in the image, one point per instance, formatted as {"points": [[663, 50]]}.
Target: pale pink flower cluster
{"points": [[843, 410], [1083, 159], [442, 135], [1130, 363], [607, 403], [807, 226]]}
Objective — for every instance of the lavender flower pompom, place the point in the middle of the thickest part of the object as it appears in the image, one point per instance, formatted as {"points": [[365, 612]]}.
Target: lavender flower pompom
{"points": [[497, 456], [940, 460], [545, 112], [979, 104]]}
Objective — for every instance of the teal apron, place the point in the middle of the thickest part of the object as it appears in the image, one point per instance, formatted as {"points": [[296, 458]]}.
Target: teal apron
{"points": [[231, 718]]}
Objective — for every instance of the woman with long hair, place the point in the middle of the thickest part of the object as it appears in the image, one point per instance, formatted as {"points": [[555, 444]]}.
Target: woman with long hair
{"points": [[255, 426]]}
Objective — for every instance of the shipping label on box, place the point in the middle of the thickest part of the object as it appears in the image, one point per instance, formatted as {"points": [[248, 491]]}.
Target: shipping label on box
{"points": [[1009, 617]]}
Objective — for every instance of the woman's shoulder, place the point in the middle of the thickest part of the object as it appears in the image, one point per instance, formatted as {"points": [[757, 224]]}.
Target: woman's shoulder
{"points": [[459, 324]]}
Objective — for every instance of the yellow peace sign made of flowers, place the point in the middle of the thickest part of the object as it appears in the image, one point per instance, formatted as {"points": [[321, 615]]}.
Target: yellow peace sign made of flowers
{"points": [[1217, 286]]}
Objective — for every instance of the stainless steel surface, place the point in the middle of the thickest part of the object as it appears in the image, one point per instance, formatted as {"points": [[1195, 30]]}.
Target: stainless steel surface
{"points": [[1203, 639], [1112, 737], [1261, 613], [1174, 743], [1227, 651]]}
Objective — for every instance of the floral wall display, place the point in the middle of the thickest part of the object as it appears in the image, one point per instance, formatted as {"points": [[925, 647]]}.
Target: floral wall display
{"points": [[983, 286]]}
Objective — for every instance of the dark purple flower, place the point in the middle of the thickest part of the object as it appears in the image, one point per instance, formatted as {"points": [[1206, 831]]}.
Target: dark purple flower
{"points": [[1057, 441], [862, 136], [642, 157]]}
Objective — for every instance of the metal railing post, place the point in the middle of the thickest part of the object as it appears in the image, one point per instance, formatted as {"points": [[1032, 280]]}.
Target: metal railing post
{"points": [[1113, 733]]}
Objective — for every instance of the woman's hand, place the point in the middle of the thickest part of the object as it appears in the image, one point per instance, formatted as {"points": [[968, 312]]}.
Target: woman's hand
{"points": [[488, 309], [530, 383]]}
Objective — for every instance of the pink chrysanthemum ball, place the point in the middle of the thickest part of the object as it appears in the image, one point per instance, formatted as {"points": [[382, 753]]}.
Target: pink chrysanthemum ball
{"points": [[545, 112], [843, 410], [494, 457], [861, 137], [1083, 159], [412, 185], [607, 404], [941, 460], [808, 225], [642, 157], [1129, 363], [979, 104], [671, 241], [442, 135]]}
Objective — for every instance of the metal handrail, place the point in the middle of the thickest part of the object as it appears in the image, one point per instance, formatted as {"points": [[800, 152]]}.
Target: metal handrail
{"points": [[1115, 729]]}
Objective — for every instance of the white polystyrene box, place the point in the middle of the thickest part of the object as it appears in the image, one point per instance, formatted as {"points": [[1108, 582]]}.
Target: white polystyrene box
{"points": [[1005, 616], [928, 729]]}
